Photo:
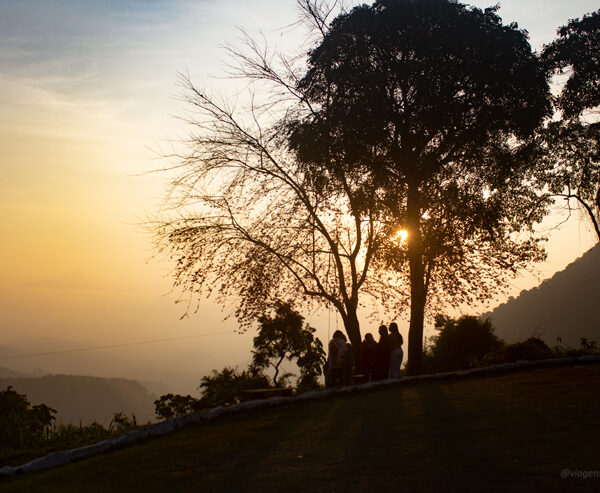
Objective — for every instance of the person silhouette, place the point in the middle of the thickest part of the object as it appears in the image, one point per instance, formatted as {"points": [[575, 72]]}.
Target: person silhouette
{"points": [[335, 359], [396, 352], [382, 366], [368, 357]]}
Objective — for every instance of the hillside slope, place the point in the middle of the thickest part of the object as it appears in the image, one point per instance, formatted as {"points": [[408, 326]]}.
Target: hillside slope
{"points": [[524, 431], [86, 399], [566, 306]]}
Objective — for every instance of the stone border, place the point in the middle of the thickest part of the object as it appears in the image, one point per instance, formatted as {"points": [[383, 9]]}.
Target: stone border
{"points": [[56, 459]]}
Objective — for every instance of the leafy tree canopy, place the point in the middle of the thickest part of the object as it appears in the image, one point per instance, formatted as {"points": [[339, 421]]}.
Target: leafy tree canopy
{"points": [[570, 158], [576, 51], [437, 103], [285, 337]]}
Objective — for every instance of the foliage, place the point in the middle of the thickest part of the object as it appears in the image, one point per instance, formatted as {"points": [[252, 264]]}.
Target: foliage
{"points": [[247, 221], [171, 405], [461, 343], [27, 432], [436, 102], [285, 337], [228, 385], [570, 161], [20, 424], [281, 337], [529, 350], [570, 165], [468, 342], [586, 347], [577, 52]]}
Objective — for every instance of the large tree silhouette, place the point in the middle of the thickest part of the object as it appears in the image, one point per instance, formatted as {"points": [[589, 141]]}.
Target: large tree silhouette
{"points": [[248, 224], [435, 102], [570, 160]]}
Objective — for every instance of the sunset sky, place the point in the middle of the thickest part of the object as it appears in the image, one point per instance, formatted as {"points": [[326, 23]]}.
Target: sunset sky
{"points": [[87, 101]]}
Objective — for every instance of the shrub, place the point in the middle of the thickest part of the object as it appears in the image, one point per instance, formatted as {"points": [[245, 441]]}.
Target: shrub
{"points": [[586, 347], [228, 385], [461, 344], [529, 350], [171, 405], [20, 424]]}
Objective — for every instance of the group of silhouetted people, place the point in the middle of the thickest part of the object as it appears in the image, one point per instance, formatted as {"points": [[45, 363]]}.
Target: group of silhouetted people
{"points": [[378, 360]]}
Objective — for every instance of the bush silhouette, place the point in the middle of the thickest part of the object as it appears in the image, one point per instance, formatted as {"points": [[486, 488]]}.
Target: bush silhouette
{"points": [[228, 385], [529, 350], [461, 343], [20, 424], [170, 405]]}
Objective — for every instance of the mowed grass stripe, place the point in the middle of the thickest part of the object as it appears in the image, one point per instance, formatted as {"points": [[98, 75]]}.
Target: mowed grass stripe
{"points": [[518, 430]]}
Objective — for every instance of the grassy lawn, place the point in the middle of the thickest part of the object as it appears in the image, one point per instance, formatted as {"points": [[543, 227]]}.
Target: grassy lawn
{"points": [[516, 431]]}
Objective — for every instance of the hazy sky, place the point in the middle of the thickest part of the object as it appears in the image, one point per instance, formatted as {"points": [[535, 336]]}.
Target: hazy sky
{"points": [[87, 97]]}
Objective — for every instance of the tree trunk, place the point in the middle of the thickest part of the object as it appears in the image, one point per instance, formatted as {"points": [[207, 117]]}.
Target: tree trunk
{"points": [[418, 293], [277, 371], [352, 327]]}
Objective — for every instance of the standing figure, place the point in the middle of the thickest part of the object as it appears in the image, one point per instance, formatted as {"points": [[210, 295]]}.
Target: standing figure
{"points": [[396, 352], [368, 357], [382, 366], [347, 364], [335, 359]]}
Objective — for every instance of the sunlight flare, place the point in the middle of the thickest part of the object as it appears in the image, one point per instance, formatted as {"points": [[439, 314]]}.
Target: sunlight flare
{"points": [[401, 235]]}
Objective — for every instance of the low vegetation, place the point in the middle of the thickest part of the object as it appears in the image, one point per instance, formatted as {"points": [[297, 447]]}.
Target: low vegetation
{"points": [[27, 432], [220, 387]]}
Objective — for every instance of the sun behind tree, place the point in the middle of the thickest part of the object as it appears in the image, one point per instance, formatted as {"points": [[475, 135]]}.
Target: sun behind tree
{"points": [[401, 235]]}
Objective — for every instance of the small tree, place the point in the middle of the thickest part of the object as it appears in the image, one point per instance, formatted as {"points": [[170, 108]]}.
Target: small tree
{"points": [[285, 337]]}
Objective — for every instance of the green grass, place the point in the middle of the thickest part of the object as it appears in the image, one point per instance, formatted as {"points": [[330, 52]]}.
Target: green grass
{"points": [[514, 431]]}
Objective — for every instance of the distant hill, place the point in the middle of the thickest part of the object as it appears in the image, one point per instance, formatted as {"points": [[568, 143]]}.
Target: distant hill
{"points": [[86, 399], [8, 373], [567, 306], [178, 371]]}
